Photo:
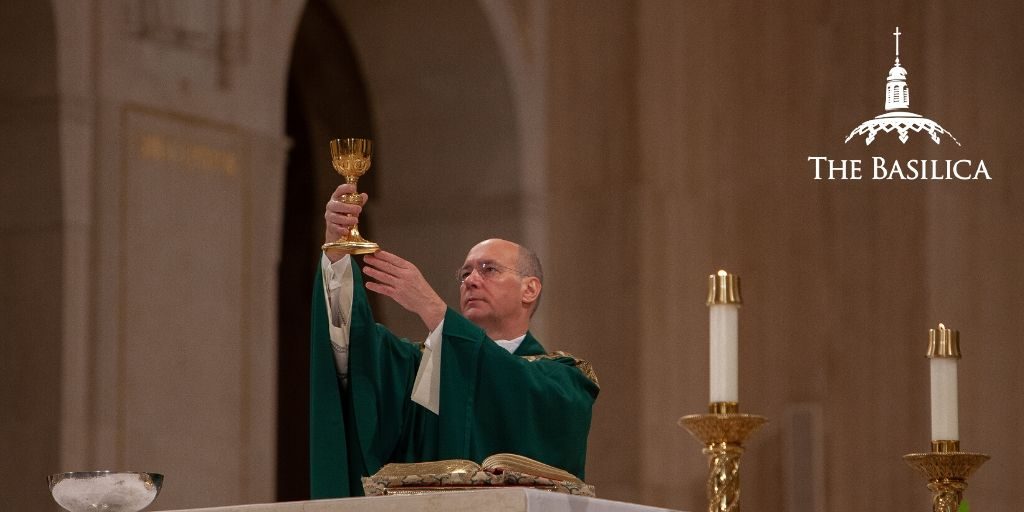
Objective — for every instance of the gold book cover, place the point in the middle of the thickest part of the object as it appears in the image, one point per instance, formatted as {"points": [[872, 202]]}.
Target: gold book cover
{"points": [[498, 470]]}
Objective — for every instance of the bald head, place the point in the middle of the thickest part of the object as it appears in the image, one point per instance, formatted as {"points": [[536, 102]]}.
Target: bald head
{"points": [[502, 287]]}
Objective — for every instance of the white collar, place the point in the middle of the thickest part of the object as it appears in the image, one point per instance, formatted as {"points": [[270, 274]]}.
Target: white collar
{"points": [[512, 344]]}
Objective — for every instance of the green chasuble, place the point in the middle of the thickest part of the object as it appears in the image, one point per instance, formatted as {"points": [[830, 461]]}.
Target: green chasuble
{"points": [[491, 401]]}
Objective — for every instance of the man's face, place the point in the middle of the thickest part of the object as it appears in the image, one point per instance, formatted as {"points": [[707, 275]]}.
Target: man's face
{"points": [[489, 300]]}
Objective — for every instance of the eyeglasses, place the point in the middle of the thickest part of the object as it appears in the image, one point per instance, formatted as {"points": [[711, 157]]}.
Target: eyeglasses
{"points": [[486, 269]]}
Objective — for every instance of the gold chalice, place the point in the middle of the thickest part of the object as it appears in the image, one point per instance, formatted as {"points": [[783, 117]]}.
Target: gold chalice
{"points": [[351, 158]]}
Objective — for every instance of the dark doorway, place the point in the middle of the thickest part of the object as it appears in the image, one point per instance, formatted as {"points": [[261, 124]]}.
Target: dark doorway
{"points": [[326, 99], [33, 375]]}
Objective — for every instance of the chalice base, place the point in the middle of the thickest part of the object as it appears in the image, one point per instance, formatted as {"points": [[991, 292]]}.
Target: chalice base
{"points": [[352, 244]]}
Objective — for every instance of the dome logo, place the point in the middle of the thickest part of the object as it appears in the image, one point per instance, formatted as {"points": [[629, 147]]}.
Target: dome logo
{"points": [[899, 121]]}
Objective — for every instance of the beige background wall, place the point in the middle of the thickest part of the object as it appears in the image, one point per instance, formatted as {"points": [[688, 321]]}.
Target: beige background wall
{"points": [[638, 146]]}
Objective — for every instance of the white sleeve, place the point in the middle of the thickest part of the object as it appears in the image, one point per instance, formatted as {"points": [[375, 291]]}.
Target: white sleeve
{"points": [[338, 282], [337, 279], [426, 389]]}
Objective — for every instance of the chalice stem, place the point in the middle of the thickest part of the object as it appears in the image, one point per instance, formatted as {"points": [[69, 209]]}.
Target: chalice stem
{"points": [[353, 234], [356, 199]]}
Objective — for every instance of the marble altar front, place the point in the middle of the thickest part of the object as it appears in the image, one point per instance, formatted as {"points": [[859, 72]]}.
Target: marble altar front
{"points": [[493, 500]]}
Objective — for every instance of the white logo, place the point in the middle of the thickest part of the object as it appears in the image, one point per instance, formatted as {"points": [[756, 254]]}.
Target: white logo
{"points": [[898, 117]]}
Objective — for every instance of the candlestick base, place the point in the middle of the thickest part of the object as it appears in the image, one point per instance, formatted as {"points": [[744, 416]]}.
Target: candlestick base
{"points": [[722, 436], [947, 473]]}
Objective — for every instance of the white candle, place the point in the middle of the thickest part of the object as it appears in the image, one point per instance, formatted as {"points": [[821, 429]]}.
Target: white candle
{"points": [[724, 353], [723, 305], [944, 355], [945, 424]]}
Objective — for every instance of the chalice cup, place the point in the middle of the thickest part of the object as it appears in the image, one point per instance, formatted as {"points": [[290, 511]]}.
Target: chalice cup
{"points": [[351, 158]]}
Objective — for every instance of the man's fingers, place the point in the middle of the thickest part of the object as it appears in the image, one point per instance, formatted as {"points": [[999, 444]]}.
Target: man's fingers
{"points": [[347, 188], [392, 292], [344, 188], [391, 259], [340, 208], [390, 268], [392, 271], [337, 219], [382, 289], [385, 289], [339, 215], [378, 274], [376, 287], [340, 218]]}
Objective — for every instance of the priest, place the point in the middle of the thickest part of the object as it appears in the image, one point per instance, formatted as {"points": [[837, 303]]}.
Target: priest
{"points": [[479, 384]]}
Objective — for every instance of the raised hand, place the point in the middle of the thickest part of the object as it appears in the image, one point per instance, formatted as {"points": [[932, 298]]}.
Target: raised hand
{"points": [[340, 216], [400, 280]]}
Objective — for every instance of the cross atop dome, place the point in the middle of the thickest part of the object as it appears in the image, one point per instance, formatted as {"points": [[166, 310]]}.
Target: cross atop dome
{"points": [[897, 34], [897, 94]]}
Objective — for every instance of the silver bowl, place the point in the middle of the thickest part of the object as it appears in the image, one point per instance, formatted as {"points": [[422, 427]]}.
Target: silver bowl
{"points": [[112, 491]]}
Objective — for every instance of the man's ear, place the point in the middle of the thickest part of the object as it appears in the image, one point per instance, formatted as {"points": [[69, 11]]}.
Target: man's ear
{"points": [[531, 289]]}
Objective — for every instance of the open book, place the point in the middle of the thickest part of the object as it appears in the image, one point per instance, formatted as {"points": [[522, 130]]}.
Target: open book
{"points": [[498, 470]]}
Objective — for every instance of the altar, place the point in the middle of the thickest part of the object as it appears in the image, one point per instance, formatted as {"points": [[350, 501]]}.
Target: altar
{"points": [[496, 500]]}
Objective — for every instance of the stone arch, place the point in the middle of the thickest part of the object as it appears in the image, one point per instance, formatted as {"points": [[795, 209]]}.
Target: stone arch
{"points": [[326, 99], [448, 169], [448, 166]]}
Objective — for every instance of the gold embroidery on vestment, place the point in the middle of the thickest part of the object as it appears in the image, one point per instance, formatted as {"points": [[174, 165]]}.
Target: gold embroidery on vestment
{"points": [[580, 364]]}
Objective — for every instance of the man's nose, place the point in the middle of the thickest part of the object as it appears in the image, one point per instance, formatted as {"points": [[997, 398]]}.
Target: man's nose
{"points": [[473, 279]]}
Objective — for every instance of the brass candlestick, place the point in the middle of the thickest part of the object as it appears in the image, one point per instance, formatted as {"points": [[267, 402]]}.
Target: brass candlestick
{"points": [[722, 432], [946, 469]]}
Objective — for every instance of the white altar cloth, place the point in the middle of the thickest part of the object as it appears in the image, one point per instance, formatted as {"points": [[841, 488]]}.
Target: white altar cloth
{"points": [[493, 500]]}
